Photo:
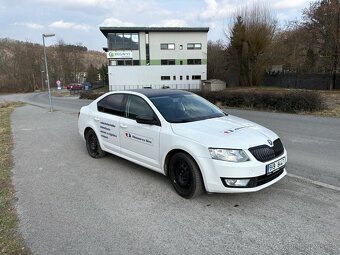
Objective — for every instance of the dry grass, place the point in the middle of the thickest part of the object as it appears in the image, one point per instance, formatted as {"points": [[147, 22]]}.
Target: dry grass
{"points": [[10, 241]]}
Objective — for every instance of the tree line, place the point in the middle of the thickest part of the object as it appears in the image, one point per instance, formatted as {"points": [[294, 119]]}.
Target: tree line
{"points": [[256, 44], [22, 66]]}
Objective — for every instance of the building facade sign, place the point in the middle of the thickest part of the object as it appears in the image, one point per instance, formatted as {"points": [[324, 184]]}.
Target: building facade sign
{"points": [[119, 54]]}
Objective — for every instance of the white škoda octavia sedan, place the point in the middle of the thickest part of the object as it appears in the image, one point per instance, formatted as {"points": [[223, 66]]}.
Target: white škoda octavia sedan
{"points": [[183, 136]]}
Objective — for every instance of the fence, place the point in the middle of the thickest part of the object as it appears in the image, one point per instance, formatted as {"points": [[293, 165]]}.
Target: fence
{"points": [[191, 87], [301, 81]]}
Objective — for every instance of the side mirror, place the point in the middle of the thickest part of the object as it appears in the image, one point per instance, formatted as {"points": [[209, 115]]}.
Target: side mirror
{"points": [[147, 119]]}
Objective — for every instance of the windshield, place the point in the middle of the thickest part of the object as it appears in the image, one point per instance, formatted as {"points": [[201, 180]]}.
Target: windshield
{"points": [[185, 108]]}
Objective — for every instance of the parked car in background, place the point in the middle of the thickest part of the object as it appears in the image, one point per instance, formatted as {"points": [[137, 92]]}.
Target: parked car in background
{"points": [[74, 86], [183, 136]]}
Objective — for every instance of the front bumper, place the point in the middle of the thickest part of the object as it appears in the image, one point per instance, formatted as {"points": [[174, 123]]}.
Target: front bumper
{"points": [[215, 172]]}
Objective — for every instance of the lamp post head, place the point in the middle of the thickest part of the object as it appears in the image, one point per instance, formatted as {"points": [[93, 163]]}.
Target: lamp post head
{"points": [[48, 35]]}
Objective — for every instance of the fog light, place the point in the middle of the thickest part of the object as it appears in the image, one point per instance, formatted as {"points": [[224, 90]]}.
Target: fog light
{"points": [[236, 182]]}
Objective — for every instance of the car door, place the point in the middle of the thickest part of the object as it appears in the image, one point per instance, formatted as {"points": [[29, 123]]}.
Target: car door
{"points": [[107, 121], [139, 141]]}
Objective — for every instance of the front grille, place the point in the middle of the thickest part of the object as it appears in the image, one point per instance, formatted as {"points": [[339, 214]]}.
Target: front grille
{"points": [[265, 153], [263, 179]]}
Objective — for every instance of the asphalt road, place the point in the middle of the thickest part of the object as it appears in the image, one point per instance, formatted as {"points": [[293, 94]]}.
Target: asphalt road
{"points": [[70, 203], [313, 143]]}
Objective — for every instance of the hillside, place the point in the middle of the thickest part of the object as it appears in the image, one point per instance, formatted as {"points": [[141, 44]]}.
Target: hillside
{"points": [[22, 64]]}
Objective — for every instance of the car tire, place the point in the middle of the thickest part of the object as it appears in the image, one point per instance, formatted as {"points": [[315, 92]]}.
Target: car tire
{"points": [[93, 145], [185, 176]]}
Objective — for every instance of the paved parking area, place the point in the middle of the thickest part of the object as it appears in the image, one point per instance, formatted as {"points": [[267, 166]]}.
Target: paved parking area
{"points": [[69, 203]]}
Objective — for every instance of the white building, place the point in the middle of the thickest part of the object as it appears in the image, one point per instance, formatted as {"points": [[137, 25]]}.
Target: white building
{"points": [[156, 57]]}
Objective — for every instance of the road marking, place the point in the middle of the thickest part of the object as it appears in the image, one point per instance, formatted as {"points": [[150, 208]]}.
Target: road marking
{"points": [[325, 185]]}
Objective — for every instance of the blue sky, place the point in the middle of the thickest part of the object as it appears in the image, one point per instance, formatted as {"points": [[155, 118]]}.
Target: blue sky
{"points": [[78, 21]]}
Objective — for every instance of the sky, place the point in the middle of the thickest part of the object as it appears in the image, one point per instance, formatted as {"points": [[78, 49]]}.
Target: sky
{"points": [[78, 21]]}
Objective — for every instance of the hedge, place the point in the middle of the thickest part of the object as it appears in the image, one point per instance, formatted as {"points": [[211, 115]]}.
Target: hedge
{"points": [[290, 101]]}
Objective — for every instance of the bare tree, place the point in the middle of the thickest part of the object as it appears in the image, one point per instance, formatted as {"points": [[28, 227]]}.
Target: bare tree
{"points": [[216, 60], [250, 38], [21, 64], [322, 19]]}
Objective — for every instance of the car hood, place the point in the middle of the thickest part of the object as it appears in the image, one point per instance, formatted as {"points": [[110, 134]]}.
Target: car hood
{"points": [[225, 132]]}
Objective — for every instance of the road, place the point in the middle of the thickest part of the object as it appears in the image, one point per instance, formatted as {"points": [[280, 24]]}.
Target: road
{"points": [[70, 203], [313, 143]]}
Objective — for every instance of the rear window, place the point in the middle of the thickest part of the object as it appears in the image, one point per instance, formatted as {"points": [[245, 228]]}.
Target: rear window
{"points": [[112, 104]]}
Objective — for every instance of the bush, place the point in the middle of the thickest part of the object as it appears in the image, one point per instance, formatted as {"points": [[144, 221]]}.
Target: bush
{"points": [[90, 95], [290, 101]]}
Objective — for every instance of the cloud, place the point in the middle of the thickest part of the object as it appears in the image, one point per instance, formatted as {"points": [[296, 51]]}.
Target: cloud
{"points": [[152, 8], [29, 25], [112, 22], [171, 23], [290, 4], [69, 25], [107, 4], [217, 10]]}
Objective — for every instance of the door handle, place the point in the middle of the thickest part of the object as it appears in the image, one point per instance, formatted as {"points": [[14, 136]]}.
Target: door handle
{"points": [[123, 126], [96, 119]]}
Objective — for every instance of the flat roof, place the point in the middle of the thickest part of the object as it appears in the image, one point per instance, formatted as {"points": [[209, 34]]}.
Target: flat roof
{"points": [[106, 30]]}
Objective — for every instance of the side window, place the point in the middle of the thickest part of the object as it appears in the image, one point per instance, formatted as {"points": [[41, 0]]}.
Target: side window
{"points": [[111, 104], [137, 106]]}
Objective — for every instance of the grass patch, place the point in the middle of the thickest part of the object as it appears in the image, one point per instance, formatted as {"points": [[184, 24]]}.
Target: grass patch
{"points": [[60, 93], [102, 89], [10, 241]]}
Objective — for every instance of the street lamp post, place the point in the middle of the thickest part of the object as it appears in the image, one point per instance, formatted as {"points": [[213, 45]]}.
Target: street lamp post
{"points": [[46, 68], [42, 80]]}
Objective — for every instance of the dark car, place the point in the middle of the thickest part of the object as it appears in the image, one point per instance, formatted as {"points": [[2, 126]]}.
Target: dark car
{"points": [[74, 86]]}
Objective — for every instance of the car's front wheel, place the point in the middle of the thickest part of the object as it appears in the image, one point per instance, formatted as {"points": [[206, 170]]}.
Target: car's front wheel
{"points": [[185, 175], [93, 146]]}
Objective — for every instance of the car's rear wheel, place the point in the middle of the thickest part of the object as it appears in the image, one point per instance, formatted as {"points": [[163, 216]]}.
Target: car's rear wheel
{"points": [[93, 146], [185, 176]]}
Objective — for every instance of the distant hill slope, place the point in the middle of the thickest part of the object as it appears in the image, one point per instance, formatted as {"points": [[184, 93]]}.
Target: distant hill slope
{"points": [[22, 66]]}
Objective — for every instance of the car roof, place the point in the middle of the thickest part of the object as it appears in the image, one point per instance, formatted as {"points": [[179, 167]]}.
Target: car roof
{"points": [[160, 92]]}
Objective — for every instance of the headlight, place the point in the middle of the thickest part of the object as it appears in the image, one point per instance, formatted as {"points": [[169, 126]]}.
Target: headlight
{"points": [[228, 155]]}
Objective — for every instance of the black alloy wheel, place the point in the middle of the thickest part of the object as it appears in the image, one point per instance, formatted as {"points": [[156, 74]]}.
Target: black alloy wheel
{"points": [[93, 146], [185, 176]]}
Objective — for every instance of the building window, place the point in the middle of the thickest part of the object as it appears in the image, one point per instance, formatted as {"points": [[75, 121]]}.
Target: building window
{"points": [[181, 62], [196, 77], [187, 77], [181, 77], [123, 41], [167, 62], [194, 62], [124, 62], [167, 46], [165, 78], [174, 77], [147, 48], [194, 46], [181, 47]]}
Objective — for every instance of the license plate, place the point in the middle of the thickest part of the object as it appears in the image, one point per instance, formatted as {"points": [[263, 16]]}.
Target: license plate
{"points": [[276, 165]]}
